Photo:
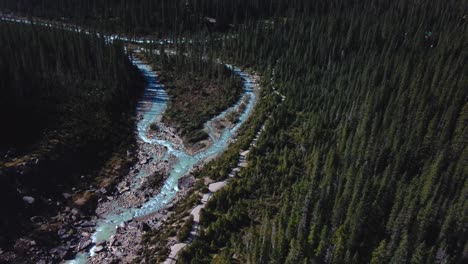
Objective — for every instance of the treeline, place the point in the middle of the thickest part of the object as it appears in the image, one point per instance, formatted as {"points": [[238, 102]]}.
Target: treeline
{"points": [[53, 79], [366, 160], [124, 16], [150, 16], [67, 103]]}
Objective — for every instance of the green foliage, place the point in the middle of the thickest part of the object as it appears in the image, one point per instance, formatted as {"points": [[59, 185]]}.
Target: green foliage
{"points": [[379, 255], [146, 16], [56, 80], [365, 161], [68, 111], [184, 231]]}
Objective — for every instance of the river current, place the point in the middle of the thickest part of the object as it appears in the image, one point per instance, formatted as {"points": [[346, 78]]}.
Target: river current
{"points": [[157, 98]]}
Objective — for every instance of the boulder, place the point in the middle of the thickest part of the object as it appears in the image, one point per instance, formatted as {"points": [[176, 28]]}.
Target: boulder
{"points": [[62, 252], [61, 231], [99, 249], [101, 243], [28, 199], [65, 234], [75, 211], [113, 241], [87, 224], [125, 189], [84, 245]]}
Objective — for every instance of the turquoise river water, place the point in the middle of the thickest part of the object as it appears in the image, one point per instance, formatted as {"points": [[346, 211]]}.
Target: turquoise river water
{"points": [[157, 98]]}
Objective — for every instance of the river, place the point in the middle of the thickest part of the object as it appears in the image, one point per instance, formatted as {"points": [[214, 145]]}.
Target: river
{"points": [[151, 107], [157, 98]]}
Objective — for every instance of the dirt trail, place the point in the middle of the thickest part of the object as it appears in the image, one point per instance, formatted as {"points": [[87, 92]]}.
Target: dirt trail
{"points": [[216, 186]]}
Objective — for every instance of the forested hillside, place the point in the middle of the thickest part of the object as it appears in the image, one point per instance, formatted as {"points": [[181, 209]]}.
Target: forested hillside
{"points": [[65, 109], [144, 16], [366, 160]]}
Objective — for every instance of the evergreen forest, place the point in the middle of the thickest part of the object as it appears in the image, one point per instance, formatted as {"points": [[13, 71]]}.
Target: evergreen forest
{"points": [[364, 161], [66, 109]]}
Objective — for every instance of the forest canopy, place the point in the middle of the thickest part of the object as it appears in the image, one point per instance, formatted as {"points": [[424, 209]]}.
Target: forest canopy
{"points": [[54, 79], [65, 109], [365, 161]]}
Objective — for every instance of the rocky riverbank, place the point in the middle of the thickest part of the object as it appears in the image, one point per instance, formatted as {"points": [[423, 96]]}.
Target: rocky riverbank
{"points": [[72, 228], [126, 245]]}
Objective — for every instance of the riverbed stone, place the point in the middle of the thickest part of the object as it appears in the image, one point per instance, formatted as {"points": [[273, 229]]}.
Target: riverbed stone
{"points": [[99, 249], [75, 211], [113, 241], [87, 224], [62, 252], [84, 245], [28, 199]]}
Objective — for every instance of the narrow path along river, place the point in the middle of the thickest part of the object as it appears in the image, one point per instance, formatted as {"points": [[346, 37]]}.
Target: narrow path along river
{"points": [[214, 187], [151, 108]]}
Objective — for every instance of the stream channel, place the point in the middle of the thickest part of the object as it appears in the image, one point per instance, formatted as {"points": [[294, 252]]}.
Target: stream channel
{"points": [[151, 107]]}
